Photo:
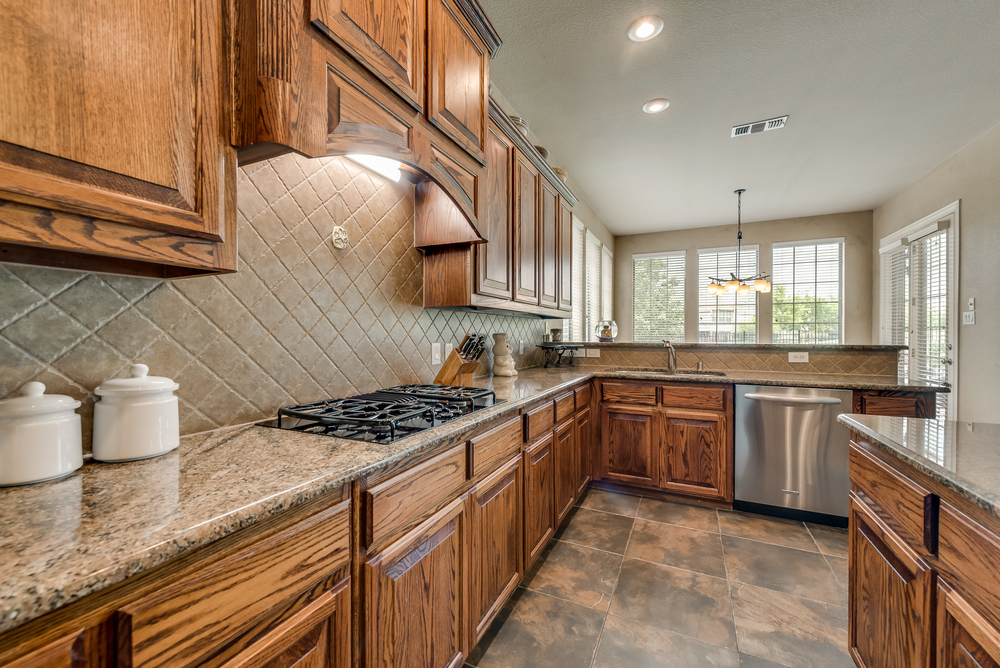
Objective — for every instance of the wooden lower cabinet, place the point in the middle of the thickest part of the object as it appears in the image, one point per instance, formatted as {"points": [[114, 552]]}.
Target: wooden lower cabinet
{"points": [[318, 636], [891, 594], [495, 543], [66, 652], [416, 596], [965, 638], [630, 445], [584, 448], [566, 468], [695, 453], [539, 517]]}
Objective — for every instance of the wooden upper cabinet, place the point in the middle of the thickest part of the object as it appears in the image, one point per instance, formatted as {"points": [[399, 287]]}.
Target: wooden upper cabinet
{"points": [[526, 212], [891, 619], [695, 454], [548, 270], [565, 255], [416, 596], [458, 77], [387, 36], [114, 120], [630, 445], [493, 259]]}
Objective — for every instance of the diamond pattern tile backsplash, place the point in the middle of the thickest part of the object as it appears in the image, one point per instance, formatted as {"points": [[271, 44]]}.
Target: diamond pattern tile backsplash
{"points": [[299, 321]]}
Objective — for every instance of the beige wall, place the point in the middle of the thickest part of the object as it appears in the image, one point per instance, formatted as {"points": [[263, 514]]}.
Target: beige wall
{"points": [[971, 176], [856, 228], [299, 321]]}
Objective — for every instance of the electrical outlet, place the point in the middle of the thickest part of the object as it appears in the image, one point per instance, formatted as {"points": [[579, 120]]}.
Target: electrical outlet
{"points": [[969, 318], [447, 349], [972, 303], [520, 347], [798, 358], [435, 353], [593, 352]]}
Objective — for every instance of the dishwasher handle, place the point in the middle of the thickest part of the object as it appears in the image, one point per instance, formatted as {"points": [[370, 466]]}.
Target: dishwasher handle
{"points": [[792, 399]]}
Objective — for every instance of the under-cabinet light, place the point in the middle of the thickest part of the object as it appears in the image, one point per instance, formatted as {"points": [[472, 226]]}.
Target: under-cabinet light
{"points": [[387, 167]]}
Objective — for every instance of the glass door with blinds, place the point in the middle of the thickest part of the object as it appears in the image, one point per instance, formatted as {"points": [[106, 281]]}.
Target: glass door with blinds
{"points": [[919, 301], [658, 297]]}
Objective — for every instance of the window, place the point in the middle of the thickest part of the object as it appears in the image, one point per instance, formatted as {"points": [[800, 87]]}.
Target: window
{"points": [[807, 280], [919, 300], [593, 271], [726, 318], [658, 297]]}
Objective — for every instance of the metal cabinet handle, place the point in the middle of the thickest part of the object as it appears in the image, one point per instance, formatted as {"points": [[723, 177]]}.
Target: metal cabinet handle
{"points": [[793, 400]]}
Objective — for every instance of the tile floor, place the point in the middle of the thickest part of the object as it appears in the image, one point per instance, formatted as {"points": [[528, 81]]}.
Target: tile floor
{"points": [[633, 582]]}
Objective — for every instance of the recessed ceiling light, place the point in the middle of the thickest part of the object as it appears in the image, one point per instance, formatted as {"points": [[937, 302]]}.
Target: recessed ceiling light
{"points": [[656, 106], [645, 28]]}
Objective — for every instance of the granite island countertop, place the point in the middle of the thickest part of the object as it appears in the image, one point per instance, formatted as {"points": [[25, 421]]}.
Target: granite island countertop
{"points": [[962, 456], [62, 540]]}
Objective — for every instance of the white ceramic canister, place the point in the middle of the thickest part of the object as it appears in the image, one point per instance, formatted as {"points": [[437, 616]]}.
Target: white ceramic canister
{"points": [[40, 436], [136, 418]]}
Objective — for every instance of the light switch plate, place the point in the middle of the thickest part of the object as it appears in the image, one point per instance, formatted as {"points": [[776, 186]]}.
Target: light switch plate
{"points": [[447, 349], [520, 348], [593, 352], [798, 358], [969, 318], [435, 353], [972, 303]]}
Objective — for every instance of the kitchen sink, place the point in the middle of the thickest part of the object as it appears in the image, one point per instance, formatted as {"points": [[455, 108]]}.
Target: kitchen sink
{"points": [[679, 372]]}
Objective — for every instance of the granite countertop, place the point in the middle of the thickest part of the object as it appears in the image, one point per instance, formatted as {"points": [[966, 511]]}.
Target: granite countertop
{"points": [[821, 380], [962, 456], [62, 540], [743, 346]]}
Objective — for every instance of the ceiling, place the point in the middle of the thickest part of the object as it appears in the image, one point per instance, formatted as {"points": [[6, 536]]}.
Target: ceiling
{"points": [[877, 93]]}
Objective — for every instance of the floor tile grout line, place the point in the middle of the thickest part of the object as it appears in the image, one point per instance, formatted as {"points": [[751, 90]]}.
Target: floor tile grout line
{"points": [[729, 590], [785, 593], [604, 625]]}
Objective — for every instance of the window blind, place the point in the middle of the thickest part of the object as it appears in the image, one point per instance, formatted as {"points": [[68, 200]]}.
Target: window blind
{"points": [[726, 318], [607, 283], [896, 302], [807, 283], [593, 299], [658, 297], [929, 344], [575, 330]]}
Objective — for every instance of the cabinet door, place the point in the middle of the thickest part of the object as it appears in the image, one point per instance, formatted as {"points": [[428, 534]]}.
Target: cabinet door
{"points": [[565, 256], [66, 652], [525, 229], [695, 453], [496, 548], [539, 518], [584, 448], [890, 623], [458, 77], [567, 468], [493, 259], [387, 36], [629, 445], [416, 593], [965, 638], [114, 120], [548, 270], [318, 636]]}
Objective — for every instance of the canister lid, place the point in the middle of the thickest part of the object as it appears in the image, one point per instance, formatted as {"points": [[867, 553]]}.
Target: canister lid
{"points": [[34, 401], [137, 381]]}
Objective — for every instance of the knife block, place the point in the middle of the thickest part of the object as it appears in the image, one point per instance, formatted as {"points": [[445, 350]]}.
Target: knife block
{"points": [[457, 370]]}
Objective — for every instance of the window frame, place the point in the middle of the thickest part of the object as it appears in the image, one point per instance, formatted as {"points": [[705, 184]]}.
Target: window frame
{"points": [[682, 254], [840, 292], [703, 286]]}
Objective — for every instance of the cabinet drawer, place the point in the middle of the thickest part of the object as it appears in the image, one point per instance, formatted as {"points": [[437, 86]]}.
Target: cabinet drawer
{"points": [[497, 445], [398, 502], [65, 652], [628, 393], [194, 616], [697, 397], [564, 406], [538, 421], [969, 556], [895, 499], [582, 397], [895, 404]]}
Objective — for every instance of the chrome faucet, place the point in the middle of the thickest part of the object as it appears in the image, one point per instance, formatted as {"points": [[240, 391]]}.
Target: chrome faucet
{"points": [[671, 357]]}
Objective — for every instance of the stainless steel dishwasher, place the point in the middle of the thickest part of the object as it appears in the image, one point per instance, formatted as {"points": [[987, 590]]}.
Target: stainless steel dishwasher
{"points": [[791, 453]]}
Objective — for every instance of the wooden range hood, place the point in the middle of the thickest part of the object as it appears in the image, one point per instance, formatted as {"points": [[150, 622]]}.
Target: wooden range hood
{"points": [[309, 79]]}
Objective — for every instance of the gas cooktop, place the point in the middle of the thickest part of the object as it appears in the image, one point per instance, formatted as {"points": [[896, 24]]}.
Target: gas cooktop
{"points": [[387, 415]]}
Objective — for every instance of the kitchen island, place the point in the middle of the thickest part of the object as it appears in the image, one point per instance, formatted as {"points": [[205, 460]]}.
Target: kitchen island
{"points": [[925, 542]]}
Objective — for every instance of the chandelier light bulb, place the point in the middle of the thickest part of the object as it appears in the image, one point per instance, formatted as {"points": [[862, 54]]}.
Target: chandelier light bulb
{"points": [[732, 286], [744, 289]]}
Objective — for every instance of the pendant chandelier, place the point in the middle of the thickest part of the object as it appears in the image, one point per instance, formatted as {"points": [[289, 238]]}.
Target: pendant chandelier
{"points": [[741, 286]]}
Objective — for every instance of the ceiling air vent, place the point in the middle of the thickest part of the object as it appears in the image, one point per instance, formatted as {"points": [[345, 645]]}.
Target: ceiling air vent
{"points": [[760, 126]]}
